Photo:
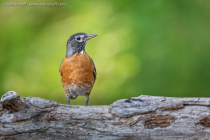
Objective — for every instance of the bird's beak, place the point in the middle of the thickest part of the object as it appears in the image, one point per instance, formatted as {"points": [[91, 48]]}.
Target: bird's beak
{"points": [[90, 36]]}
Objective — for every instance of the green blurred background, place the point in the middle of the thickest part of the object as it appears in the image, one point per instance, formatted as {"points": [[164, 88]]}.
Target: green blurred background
{"points": [[159, 48]]}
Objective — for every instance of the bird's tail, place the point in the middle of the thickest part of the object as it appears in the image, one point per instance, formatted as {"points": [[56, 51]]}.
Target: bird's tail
{"points": [[73, 97]]}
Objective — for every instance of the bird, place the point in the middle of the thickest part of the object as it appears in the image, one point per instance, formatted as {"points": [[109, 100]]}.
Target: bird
{"points": [[77, 69]]}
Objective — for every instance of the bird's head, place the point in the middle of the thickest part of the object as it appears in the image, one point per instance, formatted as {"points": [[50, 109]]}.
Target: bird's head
{"points": [[76, 43]]}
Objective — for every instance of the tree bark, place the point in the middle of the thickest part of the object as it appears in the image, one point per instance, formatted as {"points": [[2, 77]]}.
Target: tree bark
{"points": [[143, 117]]}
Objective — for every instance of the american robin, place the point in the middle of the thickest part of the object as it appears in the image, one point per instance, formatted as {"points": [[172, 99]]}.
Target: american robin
{"points": [[77, 69]]}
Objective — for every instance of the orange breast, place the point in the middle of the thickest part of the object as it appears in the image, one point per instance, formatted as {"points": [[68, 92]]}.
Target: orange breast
{"points": [[77, 74]]}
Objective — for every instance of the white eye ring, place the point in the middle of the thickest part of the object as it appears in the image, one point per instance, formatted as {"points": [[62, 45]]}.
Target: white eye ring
{"points": [[78, 38]]}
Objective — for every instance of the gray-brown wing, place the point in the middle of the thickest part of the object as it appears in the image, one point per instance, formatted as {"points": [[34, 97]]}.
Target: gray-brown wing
{"points": [[60, 68], [94, 72]]}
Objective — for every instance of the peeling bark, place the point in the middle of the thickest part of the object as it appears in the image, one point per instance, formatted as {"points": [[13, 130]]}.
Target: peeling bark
{"points": [[143, 117]]}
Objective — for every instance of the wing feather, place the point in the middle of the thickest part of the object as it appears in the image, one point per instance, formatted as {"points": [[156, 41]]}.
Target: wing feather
{"points": [[94, 72], [60, 68]]}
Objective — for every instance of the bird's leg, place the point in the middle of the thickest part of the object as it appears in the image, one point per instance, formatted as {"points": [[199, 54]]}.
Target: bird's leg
{"points": [[68, 98], [86, 100]]}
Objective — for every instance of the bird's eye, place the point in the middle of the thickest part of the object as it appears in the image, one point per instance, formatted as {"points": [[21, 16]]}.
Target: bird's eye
{"points": [[78, 38]]}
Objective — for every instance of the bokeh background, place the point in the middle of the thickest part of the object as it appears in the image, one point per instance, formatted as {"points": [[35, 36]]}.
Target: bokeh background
{"points": [[159, 48]]}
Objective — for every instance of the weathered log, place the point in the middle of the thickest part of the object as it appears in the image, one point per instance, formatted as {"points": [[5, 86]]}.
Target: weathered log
{"points": [[143, 117]]}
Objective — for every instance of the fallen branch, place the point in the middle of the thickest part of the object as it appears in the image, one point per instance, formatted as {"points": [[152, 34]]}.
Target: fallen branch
{"points": [[143, 117]]}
